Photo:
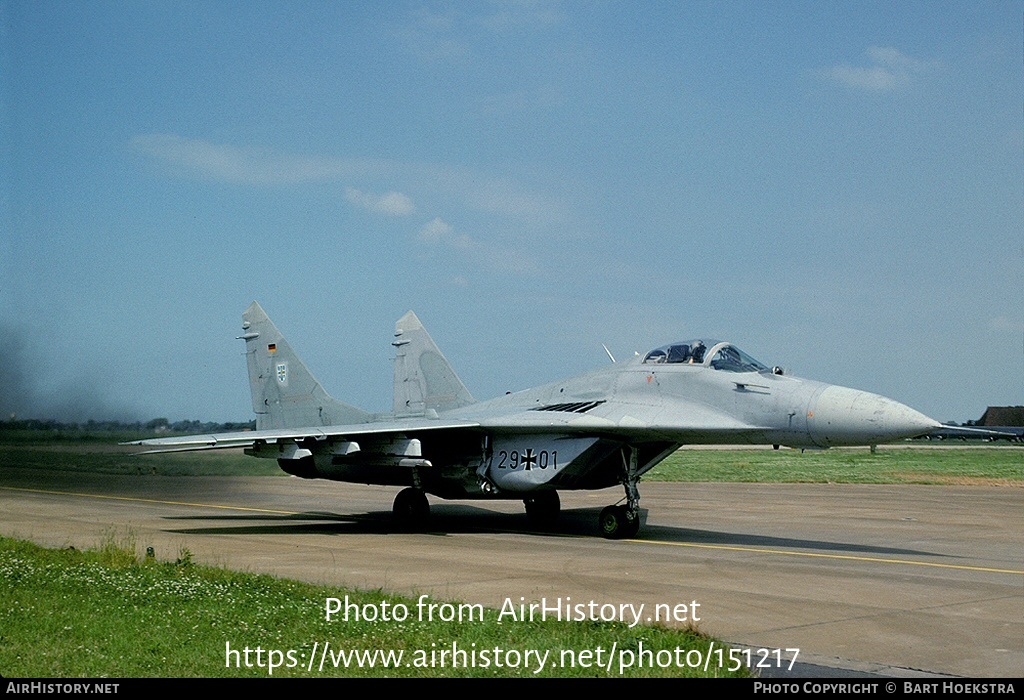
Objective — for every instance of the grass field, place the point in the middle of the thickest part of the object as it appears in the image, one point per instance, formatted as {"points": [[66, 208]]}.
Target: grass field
{"points": [[86, 453], [909, 463], [105, 613]]}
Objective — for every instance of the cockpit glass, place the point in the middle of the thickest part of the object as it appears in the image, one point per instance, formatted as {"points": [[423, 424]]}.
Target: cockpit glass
{"points": [[725, 357], [729, 358], [691, 352]]}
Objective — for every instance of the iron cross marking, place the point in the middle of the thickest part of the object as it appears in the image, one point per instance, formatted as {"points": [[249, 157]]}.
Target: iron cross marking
{"points": [[529, 459]]}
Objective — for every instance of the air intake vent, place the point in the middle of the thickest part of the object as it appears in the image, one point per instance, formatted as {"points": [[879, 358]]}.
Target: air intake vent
{"points": [[580, 407]]}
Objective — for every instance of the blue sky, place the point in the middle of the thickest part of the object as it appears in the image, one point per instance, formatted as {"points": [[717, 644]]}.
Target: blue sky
{"points": [[838, 188]]}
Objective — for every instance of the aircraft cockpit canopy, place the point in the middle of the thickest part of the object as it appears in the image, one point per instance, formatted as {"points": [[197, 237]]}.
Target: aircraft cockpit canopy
{"points": [[712, 353]]}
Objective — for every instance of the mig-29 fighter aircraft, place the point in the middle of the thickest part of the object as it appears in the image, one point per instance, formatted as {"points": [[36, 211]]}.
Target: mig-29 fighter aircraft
{"points": [[603, 428]]}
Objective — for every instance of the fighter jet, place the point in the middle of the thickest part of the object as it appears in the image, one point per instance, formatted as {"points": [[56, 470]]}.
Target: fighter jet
{"points": [[604, 428]]}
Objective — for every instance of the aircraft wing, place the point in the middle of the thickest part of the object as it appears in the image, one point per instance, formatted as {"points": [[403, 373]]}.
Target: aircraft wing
{"points": [[247, 438], [686, 422]]}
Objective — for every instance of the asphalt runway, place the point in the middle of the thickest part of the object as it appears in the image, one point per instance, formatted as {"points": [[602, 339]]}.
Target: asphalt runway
{"points": [[891, 580]]}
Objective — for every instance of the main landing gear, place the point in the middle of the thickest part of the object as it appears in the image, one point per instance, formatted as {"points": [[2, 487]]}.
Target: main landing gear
{"points": [[411, 509], [542, 508]]}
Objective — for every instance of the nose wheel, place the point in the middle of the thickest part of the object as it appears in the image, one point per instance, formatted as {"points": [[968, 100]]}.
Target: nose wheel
{"points": [[623, 522], [619, 522]]}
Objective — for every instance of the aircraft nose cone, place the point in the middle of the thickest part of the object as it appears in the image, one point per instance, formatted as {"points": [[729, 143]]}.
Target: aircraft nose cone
{"points": [[842, 416]]}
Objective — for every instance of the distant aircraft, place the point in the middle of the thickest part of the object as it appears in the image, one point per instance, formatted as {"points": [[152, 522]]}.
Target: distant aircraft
{"points": [[606, 427], [951, 431]]}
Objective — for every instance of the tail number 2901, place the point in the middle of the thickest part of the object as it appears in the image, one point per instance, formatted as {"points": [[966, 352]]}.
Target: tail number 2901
{"points": [[527, 459]]}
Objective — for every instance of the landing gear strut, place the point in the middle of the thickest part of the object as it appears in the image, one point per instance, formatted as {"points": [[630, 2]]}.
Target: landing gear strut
{"points": [[542, 508], [623, 522], [411, 509]]}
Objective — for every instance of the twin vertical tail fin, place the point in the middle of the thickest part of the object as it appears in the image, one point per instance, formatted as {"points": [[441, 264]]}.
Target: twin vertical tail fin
{"points": [[425, 382], [285, 394]]}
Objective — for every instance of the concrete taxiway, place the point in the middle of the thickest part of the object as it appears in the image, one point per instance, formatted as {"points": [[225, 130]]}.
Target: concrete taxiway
{"points": [[894, 580]]}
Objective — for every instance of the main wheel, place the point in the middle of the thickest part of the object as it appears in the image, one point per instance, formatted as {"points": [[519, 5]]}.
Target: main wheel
{"points": [[411, 509], [618, 523], [542, 508]]}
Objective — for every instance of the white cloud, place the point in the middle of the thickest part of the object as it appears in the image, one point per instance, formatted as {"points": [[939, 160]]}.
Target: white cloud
{"points": [[887, 69], [492, 195], [1005, 323], [432, 36], [435, 231], [500, 197], [456, 34], [874, 78], [522, 15], [465, 190], [267, 167], [525, 100], [894, 59], [236, 164], [389, 203], [438, 231]]}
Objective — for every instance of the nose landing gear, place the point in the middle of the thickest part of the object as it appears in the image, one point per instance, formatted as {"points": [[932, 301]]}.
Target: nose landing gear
{"points": [[619, 522], [623, 522]]}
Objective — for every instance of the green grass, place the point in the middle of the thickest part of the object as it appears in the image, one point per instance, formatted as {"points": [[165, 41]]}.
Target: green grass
{"points": [[991, 465], [109, 458], [108, 613], [1001, 464]]}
